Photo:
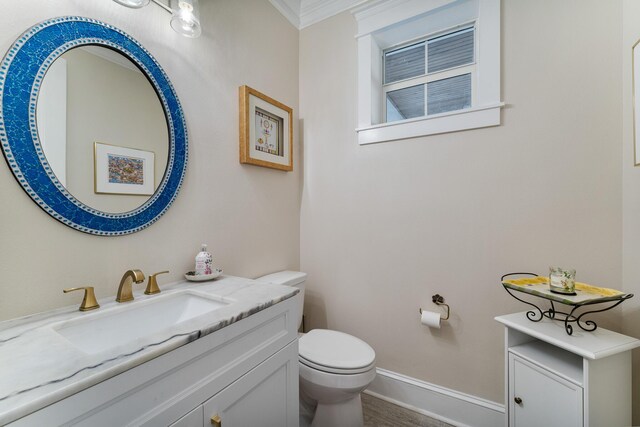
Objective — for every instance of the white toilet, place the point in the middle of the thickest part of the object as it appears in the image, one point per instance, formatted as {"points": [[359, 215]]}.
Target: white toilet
{"points": [[334, 368]]}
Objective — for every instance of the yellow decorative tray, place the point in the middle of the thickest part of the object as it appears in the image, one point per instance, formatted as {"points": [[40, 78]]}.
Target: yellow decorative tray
{"points": [[585, 294]]}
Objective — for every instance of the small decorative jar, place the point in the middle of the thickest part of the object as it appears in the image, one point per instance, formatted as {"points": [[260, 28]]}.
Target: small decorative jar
{"points": [[562, 281]]}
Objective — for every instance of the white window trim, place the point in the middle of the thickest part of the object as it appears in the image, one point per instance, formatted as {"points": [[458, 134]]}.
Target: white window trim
{"points": [[379, 16]]}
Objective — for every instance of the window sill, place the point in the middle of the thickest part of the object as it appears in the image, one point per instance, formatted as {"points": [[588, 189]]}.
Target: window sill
{"points": [[471, 118]]}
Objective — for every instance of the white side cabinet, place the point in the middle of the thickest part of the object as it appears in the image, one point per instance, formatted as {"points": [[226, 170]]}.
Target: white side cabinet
{"points": [[556, 379]]}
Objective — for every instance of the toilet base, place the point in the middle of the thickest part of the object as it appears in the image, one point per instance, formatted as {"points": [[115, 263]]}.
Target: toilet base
{"points": [[344, 414], [336, 397], [307, 409]]}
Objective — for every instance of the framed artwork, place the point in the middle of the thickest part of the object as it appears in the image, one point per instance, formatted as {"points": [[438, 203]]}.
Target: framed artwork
{"points": [[121, 170], [266, 131]]}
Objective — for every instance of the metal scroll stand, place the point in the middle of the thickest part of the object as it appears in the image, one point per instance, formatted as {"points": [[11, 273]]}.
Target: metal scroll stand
{"points": [[567, 318]]}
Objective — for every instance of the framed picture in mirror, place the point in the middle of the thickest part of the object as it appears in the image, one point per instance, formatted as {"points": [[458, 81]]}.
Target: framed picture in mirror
{"points": [[266, 131], [121, 170]]}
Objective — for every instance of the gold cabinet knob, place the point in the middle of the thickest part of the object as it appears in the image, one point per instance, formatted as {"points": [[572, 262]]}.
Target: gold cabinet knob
{"points": [[152, 284], [89, 301], [216, 420]]}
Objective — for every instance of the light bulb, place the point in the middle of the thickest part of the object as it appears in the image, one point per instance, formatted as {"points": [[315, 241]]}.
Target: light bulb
{"points": [[185, 5], [134, 4], [186, 17]]}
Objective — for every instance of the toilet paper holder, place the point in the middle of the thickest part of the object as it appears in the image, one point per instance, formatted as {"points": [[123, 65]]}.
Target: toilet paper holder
{"points": [[439, 300]]}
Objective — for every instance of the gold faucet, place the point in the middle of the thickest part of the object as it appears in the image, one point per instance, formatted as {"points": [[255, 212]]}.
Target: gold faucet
{"points": [[125, 292]]}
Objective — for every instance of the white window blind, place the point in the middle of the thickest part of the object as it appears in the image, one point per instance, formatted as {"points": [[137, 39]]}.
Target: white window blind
{"points": [[451, 50], [449, 94], [404, 63], [431, 76], [405, 103]]}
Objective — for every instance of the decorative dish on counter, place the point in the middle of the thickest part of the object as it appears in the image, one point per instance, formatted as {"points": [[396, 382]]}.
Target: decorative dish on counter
{"points": [[193, 277], [580, 301]]}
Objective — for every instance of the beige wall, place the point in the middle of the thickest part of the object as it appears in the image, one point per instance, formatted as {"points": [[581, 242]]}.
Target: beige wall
{"points": [[248, 215], [385, 226], [631, 193]]}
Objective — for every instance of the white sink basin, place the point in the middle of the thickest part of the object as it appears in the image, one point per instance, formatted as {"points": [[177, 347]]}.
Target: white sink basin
{"points": [[135, 321]]}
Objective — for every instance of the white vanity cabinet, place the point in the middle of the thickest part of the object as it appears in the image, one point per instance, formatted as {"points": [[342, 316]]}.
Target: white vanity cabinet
{"points": [[246, 373], [556, 379], [262, 397]]}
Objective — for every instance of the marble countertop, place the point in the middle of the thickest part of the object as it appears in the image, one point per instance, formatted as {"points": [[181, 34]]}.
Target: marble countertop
{"points": [[38, 366]]}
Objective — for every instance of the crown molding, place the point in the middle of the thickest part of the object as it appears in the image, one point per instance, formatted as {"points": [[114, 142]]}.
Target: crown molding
{"points": [[303, 13], [377, 14], [313, 11], [290, 9]]}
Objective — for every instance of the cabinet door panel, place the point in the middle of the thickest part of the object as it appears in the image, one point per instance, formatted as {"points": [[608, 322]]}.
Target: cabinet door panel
{"points": [[546, 399], [192, 419], [267, 396]]}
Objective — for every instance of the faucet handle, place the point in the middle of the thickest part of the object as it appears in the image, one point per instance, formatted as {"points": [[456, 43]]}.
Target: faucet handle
{"points": [[152, 284], [89, 301]]}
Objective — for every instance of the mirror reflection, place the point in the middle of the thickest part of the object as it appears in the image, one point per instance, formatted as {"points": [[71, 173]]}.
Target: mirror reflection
{"points": [[102, 128]]}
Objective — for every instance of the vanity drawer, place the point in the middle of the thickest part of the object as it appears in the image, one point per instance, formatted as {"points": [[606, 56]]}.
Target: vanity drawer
{"points": [[161, 391]]}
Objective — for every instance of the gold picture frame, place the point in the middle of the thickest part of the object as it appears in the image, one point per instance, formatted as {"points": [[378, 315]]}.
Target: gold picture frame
{"points": [[266, 131]]}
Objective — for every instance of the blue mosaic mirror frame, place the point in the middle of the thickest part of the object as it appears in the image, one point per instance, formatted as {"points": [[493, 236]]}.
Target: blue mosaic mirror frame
{"points": [[21, 73]]}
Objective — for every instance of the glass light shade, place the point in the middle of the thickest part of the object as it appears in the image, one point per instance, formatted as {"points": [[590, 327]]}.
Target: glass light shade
{"points": [[186, 17], [134, 4]]}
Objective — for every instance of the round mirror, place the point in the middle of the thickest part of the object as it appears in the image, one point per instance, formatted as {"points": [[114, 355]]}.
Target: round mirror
{"points": [[91, 126], [102, 128]]}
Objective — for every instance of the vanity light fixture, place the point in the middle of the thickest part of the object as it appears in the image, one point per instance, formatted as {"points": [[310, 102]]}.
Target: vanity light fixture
{"points": [[185, 17], [134, 4]]}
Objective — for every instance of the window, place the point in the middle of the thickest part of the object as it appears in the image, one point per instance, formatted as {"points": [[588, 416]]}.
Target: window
{"points": [[435, 73], [427, 67]]}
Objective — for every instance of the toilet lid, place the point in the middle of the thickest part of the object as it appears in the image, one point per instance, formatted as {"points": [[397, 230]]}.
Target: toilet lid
{"points": [[335, 350]]}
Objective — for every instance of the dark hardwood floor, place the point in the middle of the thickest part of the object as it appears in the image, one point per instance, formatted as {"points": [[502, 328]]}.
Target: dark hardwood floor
{"points": [[380, 413]]}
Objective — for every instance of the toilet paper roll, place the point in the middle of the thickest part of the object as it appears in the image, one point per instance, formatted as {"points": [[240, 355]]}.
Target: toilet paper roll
{"points": [[430, 319]]}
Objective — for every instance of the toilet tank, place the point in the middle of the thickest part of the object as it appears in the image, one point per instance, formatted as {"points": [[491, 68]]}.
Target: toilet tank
{"points": [[288, 278]]}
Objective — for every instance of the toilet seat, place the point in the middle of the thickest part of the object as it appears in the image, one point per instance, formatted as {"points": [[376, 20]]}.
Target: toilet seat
{"points": [[332, 370], [335, 352]]}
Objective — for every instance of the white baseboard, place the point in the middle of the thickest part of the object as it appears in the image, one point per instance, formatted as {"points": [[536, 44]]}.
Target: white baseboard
{"points": [[450, 406]]}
